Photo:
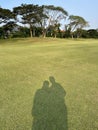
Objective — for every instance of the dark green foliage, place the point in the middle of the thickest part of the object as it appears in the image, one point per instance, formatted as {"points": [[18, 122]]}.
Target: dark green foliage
{"points": [[6, 15], [22, 32], [38, 31], [93, 33], [1, 32], [84, 34]]}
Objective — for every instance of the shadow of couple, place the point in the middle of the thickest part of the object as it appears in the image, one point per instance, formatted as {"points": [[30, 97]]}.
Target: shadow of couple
{"points": [[49, 109]]}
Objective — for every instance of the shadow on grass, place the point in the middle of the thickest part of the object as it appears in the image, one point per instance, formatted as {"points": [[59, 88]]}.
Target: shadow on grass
{"points": [[49, 109]]}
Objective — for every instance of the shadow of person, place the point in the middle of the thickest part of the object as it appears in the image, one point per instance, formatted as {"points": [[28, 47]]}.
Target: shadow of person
{"points": [[40, 107], [49, 109], [58, 107]]}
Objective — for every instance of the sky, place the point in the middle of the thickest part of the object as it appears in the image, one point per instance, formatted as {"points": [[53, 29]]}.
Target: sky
{"points": [[88, 9]]}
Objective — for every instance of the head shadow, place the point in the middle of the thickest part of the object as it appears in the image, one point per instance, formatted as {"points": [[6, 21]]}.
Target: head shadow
{"points": [[49, 110]]}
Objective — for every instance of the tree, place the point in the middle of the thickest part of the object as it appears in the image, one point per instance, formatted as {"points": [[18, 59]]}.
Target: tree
{"points": [[9, 28], [54, 16], [30, 14], [6, 16], [77, 23]]}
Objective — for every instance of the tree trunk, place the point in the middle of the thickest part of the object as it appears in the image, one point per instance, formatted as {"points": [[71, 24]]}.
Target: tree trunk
{"points": [[44, 33], [55, 35], [31, 32]]}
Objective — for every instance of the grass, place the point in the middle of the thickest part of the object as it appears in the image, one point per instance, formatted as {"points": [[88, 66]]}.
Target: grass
{"points": [[26, 63]]}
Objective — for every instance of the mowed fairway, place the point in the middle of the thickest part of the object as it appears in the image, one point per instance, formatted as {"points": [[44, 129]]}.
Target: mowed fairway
{"points": [[26, 63]]}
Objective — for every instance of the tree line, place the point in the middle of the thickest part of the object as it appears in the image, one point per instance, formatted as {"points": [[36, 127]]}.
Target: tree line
{"points": [[46, 21]]}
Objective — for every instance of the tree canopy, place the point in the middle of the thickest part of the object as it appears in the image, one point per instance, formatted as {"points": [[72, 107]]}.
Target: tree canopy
{"points": [[45, 20], [6, 15], [30, 14]]}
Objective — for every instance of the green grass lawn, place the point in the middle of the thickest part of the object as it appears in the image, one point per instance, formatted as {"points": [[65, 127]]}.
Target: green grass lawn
{"points": [[26, 63]]}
